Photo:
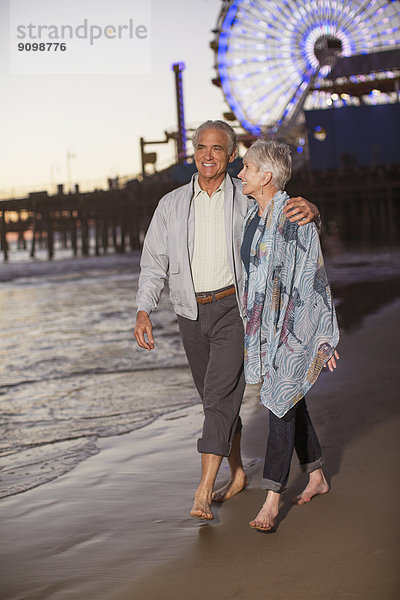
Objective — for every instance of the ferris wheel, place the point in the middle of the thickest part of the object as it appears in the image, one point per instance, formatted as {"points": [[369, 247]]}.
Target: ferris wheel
{"points": [[270, 54]]}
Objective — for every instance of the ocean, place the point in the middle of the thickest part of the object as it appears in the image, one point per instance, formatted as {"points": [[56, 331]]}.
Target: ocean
{"points": [[70, 369]]}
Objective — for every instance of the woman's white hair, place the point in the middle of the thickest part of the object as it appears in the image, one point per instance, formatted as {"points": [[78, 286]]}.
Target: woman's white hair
{"points": [[273, 156]]}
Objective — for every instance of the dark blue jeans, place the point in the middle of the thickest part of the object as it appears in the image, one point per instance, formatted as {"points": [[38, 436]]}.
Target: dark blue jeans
{"points": [[292, 431]]}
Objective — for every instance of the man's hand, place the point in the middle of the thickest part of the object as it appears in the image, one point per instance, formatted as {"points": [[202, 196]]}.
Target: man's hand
{"points": [[301, 211], [331, 364], [144, 328]]}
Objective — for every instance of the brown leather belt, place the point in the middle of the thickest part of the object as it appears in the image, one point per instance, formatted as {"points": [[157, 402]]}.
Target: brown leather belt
{"points": [[211, 296]]}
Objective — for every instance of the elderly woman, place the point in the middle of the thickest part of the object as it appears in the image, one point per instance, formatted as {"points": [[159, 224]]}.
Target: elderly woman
{"points": [[290, 323]]}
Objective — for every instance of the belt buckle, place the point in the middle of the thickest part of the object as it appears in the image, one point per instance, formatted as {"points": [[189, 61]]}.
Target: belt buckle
{"points": [[204, 298]]}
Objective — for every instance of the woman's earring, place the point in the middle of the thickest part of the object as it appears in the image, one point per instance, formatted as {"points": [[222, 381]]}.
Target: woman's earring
{"points": [[262, 190]]}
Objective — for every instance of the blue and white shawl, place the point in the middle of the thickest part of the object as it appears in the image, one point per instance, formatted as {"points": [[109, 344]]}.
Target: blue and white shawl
{"points": [[290, 322]]}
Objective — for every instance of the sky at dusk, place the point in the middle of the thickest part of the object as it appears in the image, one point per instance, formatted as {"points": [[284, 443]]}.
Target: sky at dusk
{"points": [[99, 118]]}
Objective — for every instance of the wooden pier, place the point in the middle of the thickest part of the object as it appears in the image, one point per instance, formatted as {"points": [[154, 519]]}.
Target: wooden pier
{"points": [[362, 206], [97, 222]]}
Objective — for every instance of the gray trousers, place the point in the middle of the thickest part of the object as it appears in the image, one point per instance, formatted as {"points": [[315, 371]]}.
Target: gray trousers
{"points": [[214, 349]]}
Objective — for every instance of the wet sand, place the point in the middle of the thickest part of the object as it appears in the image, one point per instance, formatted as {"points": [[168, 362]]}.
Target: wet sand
{"points": [[117, 526]]}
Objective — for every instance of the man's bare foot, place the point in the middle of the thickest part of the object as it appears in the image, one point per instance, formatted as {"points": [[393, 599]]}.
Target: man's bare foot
{"points": [[210, 464], [235, 485], [316, 485], [265, 520], [201, 509]]}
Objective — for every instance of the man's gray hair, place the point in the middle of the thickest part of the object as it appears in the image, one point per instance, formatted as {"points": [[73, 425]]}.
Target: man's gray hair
{"points": [[221, 126], [273, 156]]}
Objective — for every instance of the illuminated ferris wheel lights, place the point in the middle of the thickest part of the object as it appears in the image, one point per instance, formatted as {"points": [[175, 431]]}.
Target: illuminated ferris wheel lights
{"points": [[241, 77], [251, 46], [325, 70], [246, 92], [286, 33]]}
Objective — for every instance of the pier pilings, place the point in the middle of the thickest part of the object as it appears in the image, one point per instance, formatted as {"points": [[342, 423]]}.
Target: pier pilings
{"points": [[361, 206]]}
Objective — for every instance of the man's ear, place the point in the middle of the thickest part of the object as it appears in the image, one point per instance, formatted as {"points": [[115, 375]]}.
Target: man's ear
{"points": [[233, 155]]}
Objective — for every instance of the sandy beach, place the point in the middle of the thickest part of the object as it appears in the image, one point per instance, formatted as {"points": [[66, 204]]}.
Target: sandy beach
{"points": [[118, 527]]}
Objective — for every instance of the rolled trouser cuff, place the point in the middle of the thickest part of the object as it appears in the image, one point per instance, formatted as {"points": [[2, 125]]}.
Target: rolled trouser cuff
{"points": [[313, 466], [274, 486], [207, 446]]}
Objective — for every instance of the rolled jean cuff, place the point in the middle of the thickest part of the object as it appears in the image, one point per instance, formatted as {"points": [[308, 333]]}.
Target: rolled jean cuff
{"points": [[207, 446], [274, 486], [313, 466]]}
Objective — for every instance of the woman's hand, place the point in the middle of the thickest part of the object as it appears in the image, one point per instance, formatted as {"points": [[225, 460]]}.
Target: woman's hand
{"points": [[331, 364]]}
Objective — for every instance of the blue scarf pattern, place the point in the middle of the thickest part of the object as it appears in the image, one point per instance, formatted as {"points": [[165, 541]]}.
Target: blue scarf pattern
{"points": [[291, 329]]}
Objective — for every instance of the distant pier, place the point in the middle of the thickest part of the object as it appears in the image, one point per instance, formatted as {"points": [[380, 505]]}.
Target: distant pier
{"points": [[98, 222], [360, 205]]}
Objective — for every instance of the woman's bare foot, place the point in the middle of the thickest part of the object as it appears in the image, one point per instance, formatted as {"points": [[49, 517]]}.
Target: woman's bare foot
{"points": [[235, 485], [265, 520], [316, 485], [201, 508]]}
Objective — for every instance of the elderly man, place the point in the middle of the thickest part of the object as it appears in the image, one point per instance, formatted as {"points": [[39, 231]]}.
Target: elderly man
{"points": [[194, 241]]}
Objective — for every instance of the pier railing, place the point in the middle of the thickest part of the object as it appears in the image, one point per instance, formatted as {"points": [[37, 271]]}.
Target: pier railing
{"points": [[86, 223], [359, 205]]}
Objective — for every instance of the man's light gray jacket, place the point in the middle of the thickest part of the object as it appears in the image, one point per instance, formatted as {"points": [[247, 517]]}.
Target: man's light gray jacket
{"points": [[168, 248]]}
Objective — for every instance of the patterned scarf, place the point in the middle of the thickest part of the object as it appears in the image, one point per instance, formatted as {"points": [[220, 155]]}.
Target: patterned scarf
{"points": [[290, 322]]}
